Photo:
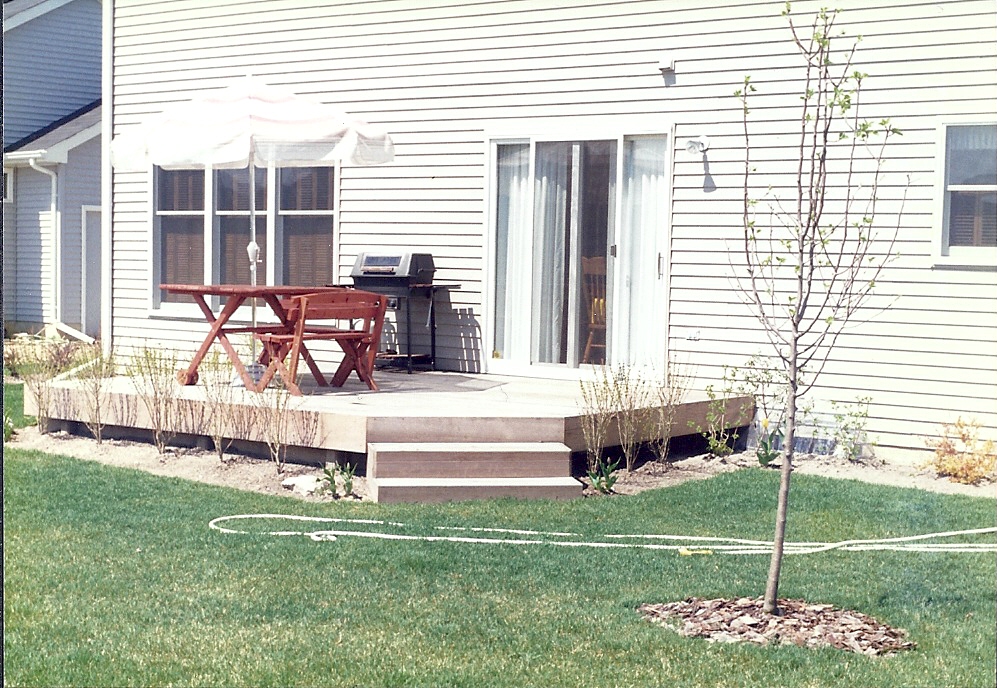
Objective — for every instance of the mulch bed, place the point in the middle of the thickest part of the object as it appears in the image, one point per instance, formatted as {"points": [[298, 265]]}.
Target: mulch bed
{"points": [[798, 623]]}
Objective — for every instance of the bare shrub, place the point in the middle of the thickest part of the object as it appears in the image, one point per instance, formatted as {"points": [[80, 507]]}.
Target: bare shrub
{"points": [[668, 397], [94, 377], [225, 419], [38, 362], [153, 372], [125, 409], [272, 406], [632, 395], [305, 426], [597, 403]]}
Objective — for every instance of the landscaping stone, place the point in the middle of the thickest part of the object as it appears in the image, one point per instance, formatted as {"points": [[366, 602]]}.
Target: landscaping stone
{"points": [[302, 484]]}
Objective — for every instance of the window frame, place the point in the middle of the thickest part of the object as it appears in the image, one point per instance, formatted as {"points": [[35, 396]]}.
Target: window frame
{"points": [[157, 305], [943, 254], [280, 231], [272, 274]]}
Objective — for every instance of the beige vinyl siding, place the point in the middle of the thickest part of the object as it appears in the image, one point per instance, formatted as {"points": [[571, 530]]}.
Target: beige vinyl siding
{"points": [[931, 355], [444, 76]]}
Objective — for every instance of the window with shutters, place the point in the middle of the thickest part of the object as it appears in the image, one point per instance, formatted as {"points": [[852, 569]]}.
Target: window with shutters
{"points": [[969, 194]]}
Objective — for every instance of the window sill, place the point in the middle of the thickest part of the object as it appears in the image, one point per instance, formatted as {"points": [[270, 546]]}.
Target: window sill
{"points": [[974, 259]]}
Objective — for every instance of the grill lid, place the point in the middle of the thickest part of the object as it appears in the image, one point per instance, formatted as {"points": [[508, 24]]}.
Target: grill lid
{"points": [[392, 269]]}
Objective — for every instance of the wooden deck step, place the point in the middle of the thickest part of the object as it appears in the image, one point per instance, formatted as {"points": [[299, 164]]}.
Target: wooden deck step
{"points": [[393, 490], [468, 459]]}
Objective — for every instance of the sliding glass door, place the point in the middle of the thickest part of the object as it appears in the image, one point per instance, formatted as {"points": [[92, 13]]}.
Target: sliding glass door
{"points": [[579, 226]]}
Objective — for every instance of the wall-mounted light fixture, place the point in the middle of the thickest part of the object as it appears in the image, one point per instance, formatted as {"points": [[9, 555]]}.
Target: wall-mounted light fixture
{"points": [[666, 63], [698, 145]]}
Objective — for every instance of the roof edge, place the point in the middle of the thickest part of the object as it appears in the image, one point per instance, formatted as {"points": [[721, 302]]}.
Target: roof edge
{"points": [[52, 127], [23, 11]]}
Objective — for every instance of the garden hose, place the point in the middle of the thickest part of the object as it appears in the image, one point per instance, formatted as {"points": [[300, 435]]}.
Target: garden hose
{"points": [[685, 545]]}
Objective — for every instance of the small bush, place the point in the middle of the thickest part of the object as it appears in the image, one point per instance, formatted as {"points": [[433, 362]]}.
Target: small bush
{"points": [[153, 373], [37, 362], [961, 455]]}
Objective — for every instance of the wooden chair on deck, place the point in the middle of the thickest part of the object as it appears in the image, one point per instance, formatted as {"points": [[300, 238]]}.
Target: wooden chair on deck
{"points": [[594, 293], [362, 313]]}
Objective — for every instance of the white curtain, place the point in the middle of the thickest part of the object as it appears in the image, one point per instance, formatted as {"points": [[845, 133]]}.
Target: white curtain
{"points": [[971, 154], [641, 324], [513, 257], [549, 273]]}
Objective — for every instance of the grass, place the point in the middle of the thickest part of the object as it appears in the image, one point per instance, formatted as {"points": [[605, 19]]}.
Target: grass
{"points": [[13, 403], [113, 578]]}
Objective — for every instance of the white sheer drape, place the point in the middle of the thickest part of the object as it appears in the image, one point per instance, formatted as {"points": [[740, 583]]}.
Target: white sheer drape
{"points": [[549, 269], [558, 207], [971, 154], [644, 213], [513, 257]]}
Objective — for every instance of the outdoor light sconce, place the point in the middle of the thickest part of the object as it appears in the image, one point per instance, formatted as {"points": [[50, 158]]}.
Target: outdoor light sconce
{"points": [[666, 64], [698, 145]]}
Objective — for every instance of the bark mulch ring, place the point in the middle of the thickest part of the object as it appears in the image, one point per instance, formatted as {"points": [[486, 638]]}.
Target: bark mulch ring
{"points": [[798, 623]]}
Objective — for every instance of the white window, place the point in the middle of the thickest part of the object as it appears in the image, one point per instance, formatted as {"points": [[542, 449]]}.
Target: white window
{"points": [[968, 191], [8, 187], [179, 237], [198, 225]]}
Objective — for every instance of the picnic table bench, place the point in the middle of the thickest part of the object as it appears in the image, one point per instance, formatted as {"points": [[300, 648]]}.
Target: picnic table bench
{"points": [[302, 314], [360, 318]]}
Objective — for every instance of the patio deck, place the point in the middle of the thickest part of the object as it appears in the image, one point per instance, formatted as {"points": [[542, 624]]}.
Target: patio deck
{"points": [[429, 436]]}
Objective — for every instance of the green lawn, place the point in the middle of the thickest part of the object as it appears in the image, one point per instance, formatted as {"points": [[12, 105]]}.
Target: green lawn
{"points": [[13, 404], [112, 577]]}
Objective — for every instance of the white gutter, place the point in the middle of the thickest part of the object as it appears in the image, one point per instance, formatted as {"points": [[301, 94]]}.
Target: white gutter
{"points": [[106, 176], [56, 242]]}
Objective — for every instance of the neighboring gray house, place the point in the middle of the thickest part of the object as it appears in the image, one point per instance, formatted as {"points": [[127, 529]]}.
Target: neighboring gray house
{"points": [[51, 165], [531, 135]]}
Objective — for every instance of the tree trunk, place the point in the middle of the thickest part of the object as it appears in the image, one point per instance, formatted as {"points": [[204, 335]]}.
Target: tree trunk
{"points": [[770, 604]]}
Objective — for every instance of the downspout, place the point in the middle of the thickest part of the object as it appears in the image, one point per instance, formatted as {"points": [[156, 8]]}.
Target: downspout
{"points": [[106, 176], [56, 242]]}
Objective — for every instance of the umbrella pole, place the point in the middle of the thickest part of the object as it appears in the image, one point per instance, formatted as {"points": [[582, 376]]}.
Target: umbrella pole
{"points": [[253, 249]]}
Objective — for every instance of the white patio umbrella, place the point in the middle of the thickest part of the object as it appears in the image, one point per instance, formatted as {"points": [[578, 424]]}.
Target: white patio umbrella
{"points": [[250, 124]]}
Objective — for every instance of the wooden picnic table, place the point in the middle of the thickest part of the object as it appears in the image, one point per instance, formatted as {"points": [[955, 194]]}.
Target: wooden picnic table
{"points": [[235, 295]]}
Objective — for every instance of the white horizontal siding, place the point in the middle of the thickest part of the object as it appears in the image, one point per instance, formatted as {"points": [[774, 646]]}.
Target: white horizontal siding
{"points": [[444, 76], [51, 67], [934, 346]]}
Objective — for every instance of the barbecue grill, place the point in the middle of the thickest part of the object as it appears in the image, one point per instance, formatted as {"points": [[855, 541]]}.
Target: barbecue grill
{"points": [[401, 276], [393, 274]]}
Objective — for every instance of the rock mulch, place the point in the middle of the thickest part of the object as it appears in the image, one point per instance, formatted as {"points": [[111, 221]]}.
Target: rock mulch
{"points": [[798, 623]]}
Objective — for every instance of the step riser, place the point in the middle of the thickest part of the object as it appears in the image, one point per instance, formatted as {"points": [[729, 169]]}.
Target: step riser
{"points": [[456, 464], [458, 471], [395, 495], [463, 429]]}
